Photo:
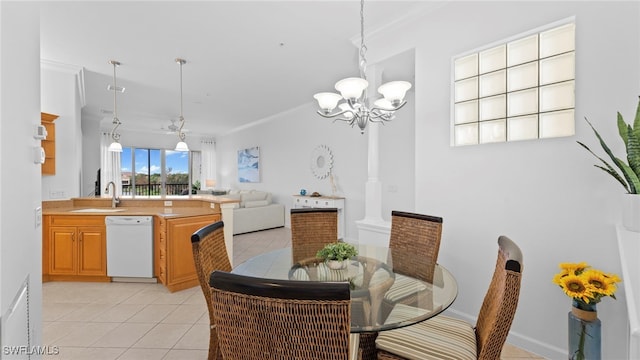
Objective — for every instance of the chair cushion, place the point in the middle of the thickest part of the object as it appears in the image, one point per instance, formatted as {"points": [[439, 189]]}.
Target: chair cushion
{"points": [[441, 337], [402, 287]]}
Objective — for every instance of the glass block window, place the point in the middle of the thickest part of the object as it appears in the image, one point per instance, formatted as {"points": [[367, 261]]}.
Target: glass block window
{"points": [[518, 90]]}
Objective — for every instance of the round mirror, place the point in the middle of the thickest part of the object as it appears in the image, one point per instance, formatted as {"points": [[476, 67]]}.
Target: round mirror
{"points": [[321, 162]]}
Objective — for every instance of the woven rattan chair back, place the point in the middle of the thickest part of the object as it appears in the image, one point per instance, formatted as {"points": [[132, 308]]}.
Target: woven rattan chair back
{"points": [[500, 302], [311, 230], [419, 235], [280, 319], [210, 254]]}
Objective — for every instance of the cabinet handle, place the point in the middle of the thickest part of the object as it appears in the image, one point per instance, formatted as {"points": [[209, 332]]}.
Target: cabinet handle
{"points": [[73, 237]]}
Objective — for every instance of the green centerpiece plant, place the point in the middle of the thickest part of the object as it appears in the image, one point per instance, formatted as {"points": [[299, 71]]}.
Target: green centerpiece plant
{"points": [[338, 251]]}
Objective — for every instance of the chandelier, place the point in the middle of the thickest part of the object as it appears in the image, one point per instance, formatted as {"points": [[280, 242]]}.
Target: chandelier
{"points": [[355, 110], [115, 145], [181, 145]]}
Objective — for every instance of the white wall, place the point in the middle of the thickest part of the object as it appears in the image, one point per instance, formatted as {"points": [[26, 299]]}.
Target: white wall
{"points": [[20, 180], [286, 142], [544, 194], [60, 96]]}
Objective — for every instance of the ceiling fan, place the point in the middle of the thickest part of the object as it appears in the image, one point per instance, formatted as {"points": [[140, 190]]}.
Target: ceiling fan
{"points": [[173, 127]]}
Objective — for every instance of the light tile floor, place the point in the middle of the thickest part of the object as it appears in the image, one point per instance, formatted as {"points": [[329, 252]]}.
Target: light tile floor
{"points": [[139, 321]]}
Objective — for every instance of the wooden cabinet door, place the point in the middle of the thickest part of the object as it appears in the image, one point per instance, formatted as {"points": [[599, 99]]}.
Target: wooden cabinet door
{"points": [[62, 250], [180, 265], [92, 258]]}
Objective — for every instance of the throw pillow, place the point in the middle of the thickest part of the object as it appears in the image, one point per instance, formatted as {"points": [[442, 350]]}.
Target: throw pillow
{"points": [[255, 203]]}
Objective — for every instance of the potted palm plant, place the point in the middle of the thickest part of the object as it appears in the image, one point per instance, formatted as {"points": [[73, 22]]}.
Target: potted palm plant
{"points": [[629, 175]]}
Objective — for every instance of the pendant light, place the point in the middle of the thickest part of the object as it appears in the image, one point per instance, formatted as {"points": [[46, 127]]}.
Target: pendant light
{"points": [[115, 145], [355, 108], [181, 145]]}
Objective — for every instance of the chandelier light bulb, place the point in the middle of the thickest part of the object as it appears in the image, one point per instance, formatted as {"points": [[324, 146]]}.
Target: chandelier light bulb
{"points": [[394, 91], [352, 88], [327, 101]]}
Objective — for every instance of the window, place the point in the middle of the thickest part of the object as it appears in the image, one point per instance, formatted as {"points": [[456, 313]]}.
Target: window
{"points": [[155, 172], [519, 90]]}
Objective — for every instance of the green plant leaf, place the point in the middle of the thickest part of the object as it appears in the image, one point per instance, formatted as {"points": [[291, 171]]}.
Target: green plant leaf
{"points": [[622, 129], [608, 168], [633, 150], [632, 178], [636, 121]]}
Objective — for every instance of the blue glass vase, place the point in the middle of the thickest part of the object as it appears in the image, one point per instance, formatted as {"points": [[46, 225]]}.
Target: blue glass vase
{"points": [[584, 332]]}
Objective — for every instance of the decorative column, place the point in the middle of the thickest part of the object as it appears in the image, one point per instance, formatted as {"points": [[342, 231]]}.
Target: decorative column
{"points": [[373, 229], [227, 216]]}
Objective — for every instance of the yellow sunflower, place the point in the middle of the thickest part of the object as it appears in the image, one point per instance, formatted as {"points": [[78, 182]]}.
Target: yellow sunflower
{"points": [[612, 278], [599, 282], [574, 268], [575, 287]]}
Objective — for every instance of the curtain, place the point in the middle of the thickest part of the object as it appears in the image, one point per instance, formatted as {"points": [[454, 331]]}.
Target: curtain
{"points": [[110, 165], [208, 165]]}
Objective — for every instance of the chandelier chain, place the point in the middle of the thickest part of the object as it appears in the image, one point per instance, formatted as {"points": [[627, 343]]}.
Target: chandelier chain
{"points": [[116, 122], [181, 135], [363, 47]]}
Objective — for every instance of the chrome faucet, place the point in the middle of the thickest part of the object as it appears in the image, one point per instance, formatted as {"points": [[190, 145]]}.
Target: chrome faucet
{"points": [[114, 199]]}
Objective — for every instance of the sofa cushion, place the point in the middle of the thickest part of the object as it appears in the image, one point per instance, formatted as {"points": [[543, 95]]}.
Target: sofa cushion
{"points": [[255, 203], [255, 196]]}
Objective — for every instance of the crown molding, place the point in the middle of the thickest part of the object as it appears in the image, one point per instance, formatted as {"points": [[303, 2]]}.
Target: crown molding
{"points": [[76, 70]]}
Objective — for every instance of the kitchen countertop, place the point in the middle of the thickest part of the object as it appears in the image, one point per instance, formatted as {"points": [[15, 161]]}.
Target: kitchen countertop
{"points": [[183, 206]]}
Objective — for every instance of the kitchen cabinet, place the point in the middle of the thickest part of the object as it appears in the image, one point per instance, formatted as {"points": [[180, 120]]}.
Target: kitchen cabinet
{"points": [[49, 144], [74, 248], [173, 256]]}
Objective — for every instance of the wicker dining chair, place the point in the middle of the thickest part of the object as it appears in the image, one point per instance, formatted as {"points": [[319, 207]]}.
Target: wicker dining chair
{"points": [[311, 230], [433, 338], [209, 254], [260, 318], [414, 244]]}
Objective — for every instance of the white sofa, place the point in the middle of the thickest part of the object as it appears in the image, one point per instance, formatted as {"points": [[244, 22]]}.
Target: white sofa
{"points": [[255, 211]]}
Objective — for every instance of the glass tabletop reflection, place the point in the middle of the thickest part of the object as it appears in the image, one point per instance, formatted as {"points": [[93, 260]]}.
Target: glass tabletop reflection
{"points": [[381, 299]]}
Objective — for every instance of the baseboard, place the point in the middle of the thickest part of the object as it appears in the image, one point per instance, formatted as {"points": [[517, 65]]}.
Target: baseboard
{"points": [[524, 342]]}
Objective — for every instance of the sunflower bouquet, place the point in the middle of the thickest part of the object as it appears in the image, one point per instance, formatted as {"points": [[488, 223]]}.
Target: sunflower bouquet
{"points": [[585, 284]]}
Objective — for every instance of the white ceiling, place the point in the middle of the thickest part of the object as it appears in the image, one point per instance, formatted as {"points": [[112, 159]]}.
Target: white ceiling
{"points": [[246, 60]]}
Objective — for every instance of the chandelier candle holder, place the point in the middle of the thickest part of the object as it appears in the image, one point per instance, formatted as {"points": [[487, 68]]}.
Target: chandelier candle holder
{"points": [[115, 145], [181, 145], [352, 102]]}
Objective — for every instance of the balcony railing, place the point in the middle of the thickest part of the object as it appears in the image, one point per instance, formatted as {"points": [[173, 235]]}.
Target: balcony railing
{"points": [[155, 189]]}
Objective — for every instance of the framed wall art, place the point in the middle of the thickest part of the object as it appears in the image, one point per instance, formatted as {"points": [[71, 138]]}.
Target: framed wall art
{"points": [[249, 165]]}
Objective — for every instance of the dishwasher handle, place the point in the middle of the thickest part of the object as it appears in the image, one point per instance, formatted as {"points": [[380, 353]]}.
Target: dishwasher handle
{"points": [[127, 220]]}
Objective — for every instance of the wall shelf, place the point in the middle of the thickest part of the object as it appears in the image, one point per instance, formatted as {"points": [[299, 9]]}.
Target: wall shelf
{"points": [[49, 144]]}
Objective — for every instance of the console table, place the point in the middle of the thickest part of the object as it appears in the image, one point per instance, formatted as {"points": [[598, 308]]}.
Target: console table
{"points": [[306, 201]]}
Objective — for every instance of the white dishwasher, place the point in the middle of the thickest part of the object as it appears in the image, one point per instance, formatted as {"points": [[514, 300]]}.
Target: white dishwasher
{"points": [[129, 246]]}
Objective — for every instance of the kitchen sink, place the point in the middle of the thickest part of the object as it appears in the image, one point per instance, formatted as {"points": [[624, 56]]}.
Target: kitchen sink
{"points": [[102, 210]]}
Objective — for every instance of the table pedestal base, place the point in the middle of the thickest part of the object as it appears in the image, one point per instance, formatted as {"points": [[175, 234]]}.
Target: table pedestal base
{"points": [[368, 345]]}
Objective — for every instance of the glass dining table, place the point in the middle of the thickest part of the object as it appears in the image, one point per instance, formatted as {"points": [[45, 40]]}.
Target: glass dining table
{"points": [[382, 298]]}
